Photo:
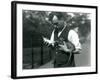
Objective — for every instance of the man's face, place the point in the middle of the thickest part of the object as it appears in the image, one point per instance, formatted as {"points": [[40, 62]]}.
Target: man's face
{"points": [[55, 25], [59, 26]]}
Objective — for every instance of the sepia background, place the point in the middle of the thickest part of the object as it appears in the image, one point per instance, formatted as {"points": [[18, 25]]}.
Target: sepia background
{"points": [[37, 24]]}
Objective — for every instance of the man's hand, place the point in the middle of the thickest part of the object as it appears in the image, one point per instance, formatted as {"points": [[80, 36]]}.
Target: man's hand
{"points": [[64, 47], [77, 51], [48, 42]]}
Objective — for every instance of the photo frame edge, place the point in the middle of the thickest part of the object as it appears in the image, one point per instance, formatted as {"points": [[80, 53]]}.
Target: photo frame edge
{"points": [[14, 42]]}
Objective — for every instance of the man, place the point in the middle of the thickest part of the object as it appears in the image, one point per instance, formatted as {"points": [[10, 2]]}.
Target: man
{"points": [[65, 42], [65, 58]]}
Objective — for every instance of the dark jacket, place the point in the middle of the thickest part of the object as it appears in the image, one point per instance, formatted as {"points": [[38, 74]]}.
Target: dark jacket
{"points": [[64, 59]]}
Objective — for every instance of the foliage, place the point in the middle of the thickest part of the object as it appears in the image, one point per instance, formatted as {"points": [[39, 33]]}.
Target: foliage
{"points": [[39, 23]]}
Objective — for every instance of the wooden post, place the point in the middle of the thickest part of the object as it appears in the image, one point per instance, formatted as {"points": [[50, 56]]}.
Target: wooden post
{"points": [[41, 54], [32, 54]]}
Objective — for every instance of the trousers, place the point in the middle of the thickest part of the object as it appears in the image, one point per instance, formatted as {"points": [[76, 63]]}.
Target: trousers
{"points": [[62, 60]]}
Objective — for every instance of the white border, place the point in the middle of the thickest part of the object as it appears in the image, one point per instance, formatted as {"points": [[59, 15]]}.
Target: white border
{"points": [[35, 72]]}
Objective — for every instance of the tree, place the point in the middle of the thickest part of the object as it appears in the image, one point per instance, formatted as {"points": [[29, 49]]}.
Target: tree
{"points": [[40, 22]]}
